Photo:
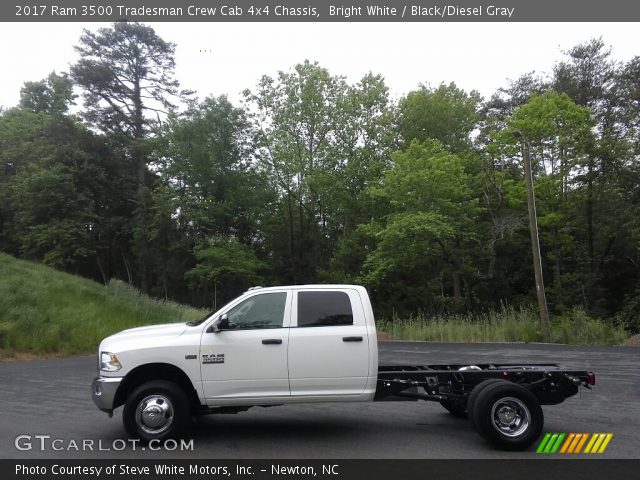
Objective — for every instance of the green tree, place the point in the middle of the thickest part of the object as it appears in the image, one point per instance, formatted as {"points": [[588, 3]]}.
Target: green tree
{"points": [[126, 72], [447, 114], [53, 95], [424, 243], [207, 161], [63, 194], [52, 218], [628, 88], [559, 133], [507, 99], [587, 75], [323, 142], [207, 189], [295, 118], [224, 268]]}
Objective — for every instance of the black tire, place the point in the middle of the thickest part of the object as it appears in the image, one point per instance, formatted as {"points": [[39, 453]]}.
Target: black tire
{"points": [[474, 395], [457, 409], [521, 421], [165, 407]]}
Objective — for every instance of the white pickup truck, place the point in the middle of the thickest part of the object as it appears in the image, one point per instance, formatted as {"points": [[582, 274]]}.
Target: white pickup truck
{"points": [[301, 344]]}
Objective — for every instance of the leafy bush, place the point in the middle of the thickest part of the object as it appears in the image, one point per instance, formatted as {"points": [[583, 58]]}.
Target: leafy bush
{"points": [[629, 316]]}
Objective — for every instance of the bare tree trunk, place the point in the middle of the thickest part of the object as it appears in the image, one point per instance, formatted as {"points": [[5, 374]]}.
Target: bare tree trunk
{"points": [[140, 167], [126, 266], [535, 244], [102, 273], [291, 240], [457, 290]]}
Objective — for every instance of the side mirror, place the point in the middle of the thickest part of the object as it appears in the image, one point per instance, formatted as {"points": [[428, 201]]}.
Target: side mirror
{"points": [[223, 323], [220, 324]]}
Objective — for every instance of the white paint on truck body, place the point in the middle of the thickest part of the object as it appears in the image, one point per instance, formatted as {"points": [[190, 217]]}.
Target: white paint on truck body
{"points": [[278, 361]]}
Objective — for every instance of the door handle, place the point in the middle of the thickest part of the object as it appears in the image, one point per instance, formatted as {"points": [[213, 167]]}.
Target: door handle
{"points": [[351, 339], [272, 341]]}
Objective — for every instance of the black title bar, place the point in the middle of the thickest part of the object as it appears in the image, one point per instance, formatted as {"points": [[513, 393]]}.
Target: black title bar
{"points": [[329, 469], [320, 11]]}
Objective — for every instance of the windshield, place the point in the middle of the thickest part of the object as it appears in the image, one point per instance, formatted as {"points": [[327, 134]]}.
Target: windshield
{"points": [[195, 323]]}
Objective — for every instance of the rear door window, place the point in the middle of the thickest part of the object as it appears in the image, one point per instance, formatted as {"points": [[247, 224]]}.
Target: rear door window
{"points": [[324, 309]]}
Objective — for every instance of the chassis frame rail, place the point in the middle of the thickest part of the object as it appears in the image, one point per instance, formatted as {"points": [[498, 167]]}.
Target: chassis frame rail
{"points": [[550, 383]]}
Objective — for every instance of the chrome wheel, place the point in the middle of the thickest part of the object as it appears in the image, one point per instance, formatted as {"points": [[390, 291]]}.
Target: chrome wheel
{"points": [[510, 416], [154, 414]]}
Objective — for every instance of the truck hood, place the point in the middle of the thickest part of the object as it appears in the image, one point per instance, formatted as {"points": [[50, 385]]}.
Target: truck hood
{"points": [[163, 330]]}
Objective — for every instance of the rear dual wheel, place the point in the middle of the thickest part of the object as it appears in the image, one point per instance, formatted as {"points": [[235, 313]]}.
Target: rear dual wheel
{"points": [[474, 394], [459, 408], [506, 414]]}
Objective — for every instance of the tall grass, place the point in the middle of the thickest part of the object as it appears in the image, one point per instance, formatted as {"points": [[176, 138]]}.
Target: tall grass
{"points": [[46, 311], [508, 324]]}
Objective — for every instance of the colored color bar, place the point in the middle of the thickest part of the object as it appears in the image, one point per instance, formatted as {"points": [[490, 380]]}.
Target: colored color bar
{"points": [[605, 443], [558, 443], [551, 443], [596, 445], [594, 437], [581, 443], [574, 443], [567, 442], [543, 443]]}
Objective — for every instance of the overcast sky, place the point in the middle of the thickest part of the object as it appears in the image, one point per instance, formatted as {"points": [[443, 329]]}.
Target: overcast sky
{"points": [[225, 58]]}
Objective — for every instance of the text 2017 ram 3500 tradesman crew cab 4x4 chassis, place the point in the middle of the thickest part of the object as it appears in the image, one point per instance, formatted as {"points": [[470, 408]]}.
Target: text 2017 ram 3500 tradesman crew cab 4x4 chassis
{"points": [[309, 343]]}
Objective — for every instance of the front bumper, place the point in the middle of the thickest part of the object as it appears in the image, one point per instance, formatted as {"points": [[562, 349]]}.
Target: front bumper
{"points": [[103, 392]]}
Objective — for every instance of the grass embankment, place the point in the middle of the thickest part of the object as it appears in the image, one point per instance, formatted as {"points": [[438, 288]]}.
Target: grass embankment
{"points": [[44, 311], [506, 325]]}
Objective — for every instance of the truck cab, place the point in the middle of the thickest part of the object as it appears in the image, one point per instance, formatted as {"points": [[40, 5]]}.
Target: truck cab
{"points": [[288, 344], [269, 346]]}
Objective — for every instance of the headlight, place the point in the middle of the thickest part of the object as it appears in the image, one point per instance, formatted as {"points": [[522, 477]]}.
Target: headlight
{"points": [[109, 362]]}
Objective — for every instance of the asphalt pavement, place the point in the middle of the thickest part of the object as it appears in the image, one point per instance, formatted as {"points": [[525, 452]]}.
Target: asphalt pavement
{"points": [[51, 398]]}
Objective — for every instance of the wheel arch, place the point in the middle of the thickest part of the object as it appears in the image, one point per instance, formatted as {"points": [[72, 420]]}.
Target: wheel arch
{"points": [[155, 371]]}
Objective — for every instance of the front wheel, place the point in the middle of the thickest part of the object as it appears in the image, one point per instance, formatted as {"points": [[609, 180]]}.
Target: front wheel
{"points": [[156, 410], [508, 415]]}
